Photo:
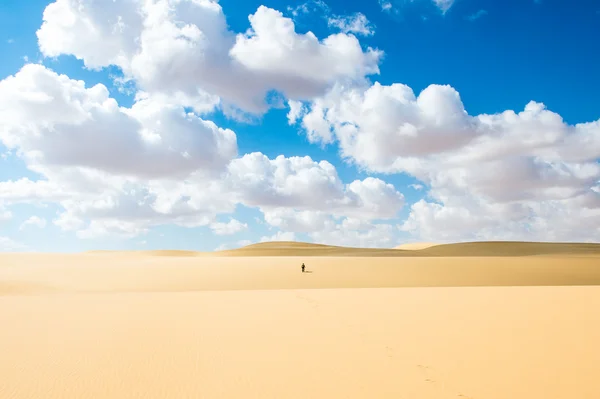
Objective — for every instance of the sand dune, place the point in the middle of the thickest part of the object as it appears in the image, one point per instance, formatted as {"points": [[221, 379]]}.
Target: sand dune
{"points": [[468, 249], [177, 324], [416, 245]]}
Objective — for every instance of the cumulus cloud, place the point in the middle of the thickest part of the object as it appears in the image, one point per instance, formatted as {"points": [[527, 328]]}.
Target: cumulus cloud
{"points": [[34, 221], [356, 23], [377, 125], [303, 221], [54, 120], [279, 236], [232, 227], [299, 195], [355, 233], [513, 175], [296, 111], [305, 185], [184, 48], [115, 170], [119, 171], [303, 64]]}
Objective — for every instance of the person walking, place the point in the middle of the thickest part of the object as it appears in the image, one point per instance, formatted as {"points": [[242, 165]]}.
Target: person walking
{"points": [[303, 268]]}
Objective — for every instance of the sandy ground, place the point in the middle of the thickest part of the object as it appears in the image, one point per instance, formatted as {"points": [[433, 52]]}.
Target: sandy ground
{"points": [[414, 246], [132, 326]]}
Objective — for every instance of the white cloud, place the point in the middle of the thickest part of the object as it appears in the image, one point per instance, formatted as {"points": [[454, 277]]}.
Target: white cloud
{"points": [[386, 5], [376, 125], [475, 16], [504, 175], [303, 221], [25, 191], [352, 233], [181, 53], [307, 7], [303, 64], [325, 228], [357, 23], [302, 184], [115, 170], [417, 187], [53, 120], [279, 236], [34, 221], [97, 204], [297, 110], [184, 48], [119, 171], [111, 228], [444, 5], [232, 227]]}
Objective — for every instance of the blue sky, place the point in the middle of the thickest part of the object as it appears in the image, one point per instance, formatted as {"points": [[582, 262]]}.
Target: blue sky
{"points": [[452, 164]]}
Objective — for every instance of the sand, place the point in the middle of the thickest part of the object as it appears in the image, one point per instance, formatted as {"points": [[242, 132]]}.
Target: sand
{"points": [[416, 245], [136, 325], [470, 249]]}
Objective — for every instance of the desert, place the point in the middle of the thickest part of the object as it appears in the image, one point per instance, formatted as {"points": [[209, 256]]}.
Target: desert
{"points": [[474, 320], [316, 199]]}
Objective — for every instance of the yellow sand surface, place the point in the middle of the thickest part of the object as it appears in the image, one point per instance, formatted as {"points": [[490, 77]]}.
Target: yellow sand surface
{"points": [[137, 325], [416, 245]]}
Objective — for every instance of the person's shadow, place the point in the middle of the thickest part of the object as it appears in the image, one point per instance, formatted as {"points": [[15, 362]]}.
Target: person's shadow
{"points": [[307, 271]]}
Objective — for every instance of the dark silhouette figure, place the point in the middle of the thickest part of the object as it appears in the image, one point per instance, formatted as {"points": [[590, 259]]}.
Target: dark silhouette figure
{"points": [[303, 268]]}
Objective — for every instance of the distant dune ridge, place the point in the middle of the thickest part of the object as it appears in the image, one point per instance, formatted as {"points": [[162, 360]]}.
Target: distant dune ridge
{"points": [[466, 249], [416, 245]]}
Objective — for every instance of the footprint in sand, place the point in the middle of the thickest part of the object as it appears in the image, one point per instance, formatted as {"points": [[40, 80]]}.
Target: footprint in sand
{"points": [[427, 373], [314, 304], [389, 351]]}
